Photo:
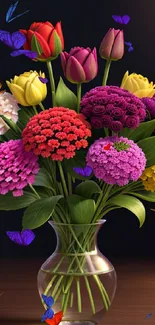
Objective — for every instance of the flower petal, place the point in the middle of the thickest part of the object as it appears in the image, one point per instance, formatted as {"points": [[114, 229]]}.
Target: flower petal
{"points": [[32, 94], [74, 71], [18, 93], [59, 32], [90, 67]]}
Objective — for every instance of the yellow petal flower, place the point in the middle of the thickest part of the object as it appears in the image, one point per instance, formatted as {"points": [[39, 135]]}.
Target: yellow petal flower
{"points": [[18, 93], [138, 85], [32, 94]]}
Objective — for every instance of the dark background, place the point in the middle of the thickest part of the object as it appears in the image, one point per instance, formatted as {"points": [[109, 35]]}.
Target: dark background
{"points": [[84, 24]]}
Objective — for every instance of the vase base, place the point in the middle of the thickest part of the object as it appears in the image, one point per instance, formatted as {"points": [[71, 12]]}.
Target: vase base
{"points": [[76, 322]]}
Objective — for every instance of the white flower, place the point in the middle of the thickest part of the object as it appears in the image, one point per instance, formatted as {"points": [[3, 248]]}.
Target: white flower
{"points": [[9, 108]]}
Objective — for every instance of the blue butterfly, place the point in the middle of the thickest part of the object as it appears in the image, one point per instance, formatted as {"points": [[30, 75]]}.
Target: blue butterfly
{"points": [[23, 238], [149, 315], [130, 47], [83, 171], [124, 20], [15, 41], [49, 313], [11, 11]]}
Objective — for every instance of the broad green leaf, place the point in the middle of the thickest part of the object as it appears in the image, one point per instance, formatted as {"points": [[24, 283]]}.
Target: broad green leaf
{"points": [[144, 195], [148, 145], [43, 178], [39, 212], [132, 204], [81, 210], [78, 161], [65, 97], [87, 189], [24, 116], [9, 202], [142, 132]]}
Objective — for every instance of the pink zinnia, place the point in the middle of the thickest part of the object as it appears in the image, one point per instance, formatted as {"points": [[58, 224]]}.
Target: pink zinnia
{"points": [[17, 167], [116, 160]]}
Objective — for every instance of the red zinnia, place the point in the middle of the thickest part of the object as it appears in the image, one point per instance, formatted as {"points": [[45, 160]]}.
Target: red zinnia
{"points": [[58, 139]]}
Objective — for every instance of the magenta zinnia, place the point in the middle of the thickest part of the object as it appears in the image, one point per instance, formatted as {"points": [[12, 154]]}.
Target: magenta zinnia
{"points": [[112, 107], [17, 167], [116, 160]]}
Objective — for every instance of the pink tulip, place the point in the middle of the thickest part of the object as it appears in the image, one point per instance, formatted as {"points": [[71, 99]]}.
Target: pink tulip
{"points": [[79, 65], [112, 45]]}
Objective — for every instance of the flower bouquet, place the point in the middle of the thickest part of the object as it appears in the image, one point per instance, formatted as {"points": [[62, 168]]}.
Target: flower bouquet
{"points": [[73, 163]]}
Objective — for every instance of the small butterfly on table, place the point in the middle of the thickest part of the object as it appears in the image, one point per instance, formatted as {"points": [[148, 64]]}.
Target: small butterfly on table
{"points": [[49, 317], [23, 238]]}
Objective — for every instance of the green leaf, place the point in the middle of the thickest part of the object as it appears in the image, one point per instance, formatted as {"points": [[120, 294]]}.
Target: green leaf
{"points": [[65, 97], [9, 202], [143, 131], [144, 195], [87, 189], [78, 161], [132, 204], [39, 212], [24, 116], [35, 45], [43, 178], [148, 145], [81, 210]]}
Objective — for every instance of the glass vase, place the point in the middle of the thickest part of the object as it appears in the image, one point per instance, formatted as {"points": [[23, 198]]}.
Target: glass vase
{"points": [[77, 275]]}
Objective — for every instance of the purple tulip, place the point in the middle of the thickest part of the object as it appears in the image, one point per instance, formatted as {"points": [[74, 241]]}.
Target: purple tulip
{"points": [[79, 65], [112, 45]]}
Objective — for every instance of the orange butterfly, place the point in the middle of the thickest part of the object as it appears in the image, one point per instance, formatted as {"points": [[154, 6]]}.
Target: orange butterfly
{"points": [[55, 320]]}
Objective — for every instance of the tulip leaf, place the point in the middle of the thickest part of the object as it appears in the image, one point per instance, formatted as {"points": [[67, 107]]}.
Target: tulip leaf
{"points": [[35, 45], [81, 210], [9, 202], [39, 212], [87, 189], [131, 203], [65, 97], [147, 146], [144, 130]]}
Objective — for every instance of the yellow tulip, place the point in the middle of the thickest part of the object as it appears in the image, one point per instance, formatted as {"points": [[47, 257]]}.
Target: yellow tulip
{"points": [[138, 85], [28, 89]]}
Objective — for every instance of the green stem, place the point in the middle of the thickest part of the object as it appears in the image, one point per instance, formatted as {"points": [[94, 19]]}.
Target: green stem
{"points": [[42, 106], [78, 97], [35, 110], [106, 72], [33, 189], [52, 82], [69, 184], [78, 295], [63, 178]]}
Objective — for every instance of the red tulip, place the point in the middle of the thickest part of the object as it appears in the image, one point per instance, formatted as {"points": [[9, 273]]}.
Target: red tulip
{"points": [[112, 45], [79, 65], [45, 39]]}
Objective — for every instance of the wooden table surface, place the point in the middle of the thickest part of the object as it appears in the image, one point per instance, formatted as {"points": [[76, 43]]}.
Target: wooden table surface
{"points": [[135, 297]]}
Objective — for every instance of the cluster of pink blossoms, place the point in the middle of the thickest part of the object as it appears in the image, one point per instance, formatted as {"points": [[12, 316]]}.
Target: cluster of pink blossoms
{"points": [[116, 160], [17, 167]]}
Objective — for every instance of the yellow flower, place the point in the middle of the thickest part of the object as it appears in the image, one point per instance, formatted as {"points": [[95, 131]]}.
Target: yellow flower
{"points": [[28, 89], [148, 178], [138, 85]]}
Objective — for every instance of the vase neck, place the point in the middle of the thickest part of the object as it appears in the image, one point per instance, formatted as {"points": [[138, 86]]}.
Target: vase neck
{"points": [[76, 238]]}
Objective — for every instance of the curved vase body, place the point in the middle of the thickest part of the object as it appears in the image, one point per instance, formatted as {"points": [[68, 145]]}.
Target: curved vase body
{"points": [[77, 275]]}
